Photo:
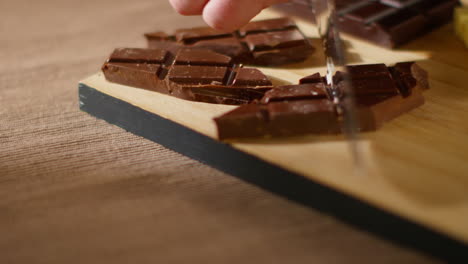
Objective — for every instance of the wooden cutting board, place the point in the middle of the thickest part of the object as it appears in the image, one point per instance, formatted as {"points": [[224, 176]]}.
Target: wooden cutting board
{"points": [[416, 167]]}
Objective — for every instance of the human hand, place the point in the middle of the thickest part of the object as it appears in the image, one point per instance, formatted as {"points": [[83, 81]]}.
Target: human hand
{"points": [[223, 14]]}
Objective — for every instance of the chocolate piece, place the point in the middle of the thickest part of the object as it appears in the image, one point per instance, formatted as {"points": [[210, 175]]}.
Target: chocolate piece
{"points": [[279, 119], [268, 42], [197, 75], [388, 23], [382, 93], [409, 75], [296, 92]]}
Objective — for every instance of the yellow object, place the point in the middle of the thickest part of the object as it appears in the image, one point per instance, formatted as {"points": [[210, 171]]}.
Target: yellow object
{"points": [[461, 23]]}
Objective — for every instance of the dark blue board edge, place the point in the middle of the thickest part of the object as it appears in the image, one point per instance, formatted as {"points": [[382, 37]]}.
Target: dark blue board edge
{"points": [[275, 179]]}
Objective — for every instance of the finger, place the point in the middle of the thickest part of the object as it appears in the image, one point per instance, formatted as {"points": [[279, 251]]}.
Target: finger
{"points": [[232, 14], [188, 7]]}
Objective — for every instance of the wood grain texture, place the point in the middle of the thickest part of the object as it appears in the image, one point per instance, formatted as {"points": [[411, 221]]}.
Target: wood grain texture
{"points": [[74, 189]]}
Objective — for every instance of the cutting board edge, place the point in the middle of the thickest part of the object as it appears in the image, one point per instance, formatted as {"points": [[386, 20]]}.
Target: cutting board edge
{"points": [[268, 176]]}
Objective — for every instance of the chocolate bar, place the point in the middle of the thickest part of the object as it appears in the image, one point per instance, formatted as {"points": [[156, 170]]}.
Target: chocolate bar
{"points": [[388, 23], [382, 93], [190, 74], [269, 42]]}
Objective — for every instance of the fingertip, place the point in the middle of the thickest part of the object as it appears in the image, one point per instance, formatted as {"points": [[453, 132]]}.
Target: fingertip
{"points": [[216, 21], [213, 18]]}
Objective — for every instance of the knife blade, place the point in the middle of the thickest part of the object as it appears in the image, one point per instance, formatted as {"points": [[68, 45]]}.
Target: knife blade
{"points": [[342, 93]]}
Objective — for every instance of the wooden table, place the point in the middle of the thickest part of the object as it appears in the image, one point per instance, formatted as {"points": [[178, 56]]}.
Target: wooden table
{"points": [[75, 189]]}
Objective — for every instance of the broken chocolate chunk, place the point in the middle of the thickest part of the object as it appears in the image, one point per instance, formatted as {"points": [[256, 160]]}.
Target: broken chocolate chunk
{"points": [[268, 42], [382, 93], [408, 75], [190, 74]]}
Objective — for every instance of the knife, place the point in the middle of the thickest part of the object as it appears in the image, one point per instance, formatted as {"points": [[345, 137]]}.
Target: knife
{"points": [[342, 93]]}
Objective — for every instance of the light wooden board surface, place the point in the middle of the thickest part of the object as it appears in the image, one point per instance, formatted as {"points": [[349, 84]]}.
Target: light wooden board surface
{"points": [[415, 166]]}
